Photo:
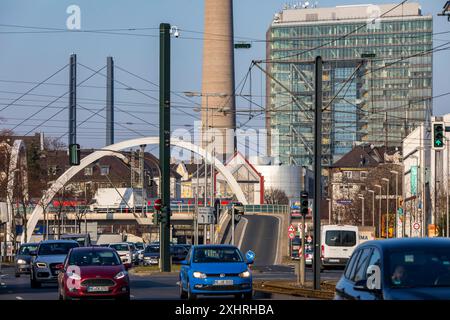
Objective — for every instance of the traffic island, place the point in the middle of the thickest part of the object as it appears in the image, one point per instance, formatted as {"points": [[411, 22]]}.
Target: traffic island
{"points": [[152, 270], [288, 287]]}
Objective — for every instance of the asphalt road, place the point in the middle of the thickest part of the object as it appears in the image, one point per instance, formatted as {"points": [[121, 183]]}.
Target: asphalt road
{"points": [[148, 287], [261, 236]]}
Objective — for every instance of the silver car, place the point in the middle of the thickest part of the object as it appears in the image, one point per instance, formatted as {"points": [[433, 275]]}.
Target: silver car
{"points": [[48, 260], [23, 258]]}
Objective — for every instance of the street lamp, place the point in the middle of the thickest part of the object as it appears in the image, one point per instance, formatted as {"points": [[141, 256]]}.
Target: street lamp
{"points": [[373, 206], [379, 212], [387, 206], [396, 201], [360, 196]]}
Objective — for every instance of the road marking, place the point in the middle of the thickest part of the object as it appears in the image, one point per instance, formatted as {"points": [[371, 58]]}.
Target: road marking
{"points": [[19, 298], [242, 232], [131, 296]]}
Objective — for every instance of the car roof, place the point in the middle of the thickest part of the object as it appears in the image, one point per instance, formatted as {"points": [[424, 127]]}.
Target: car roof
{"points": [[57, 241], [412, 243], [30, 244], [214, 246], [93, 249], [119, 243]]}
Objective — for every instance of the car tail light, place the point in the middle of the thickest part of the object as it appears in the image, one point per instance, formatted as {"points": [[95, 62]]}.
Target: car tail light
{"points": [[323, 250]]}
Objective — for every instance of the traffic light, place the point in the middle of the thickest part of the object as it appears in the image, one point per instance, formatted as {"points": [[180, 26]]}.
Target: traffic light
{"points": [[438, 135], [156, 217], [304, 203], [74, 154]]}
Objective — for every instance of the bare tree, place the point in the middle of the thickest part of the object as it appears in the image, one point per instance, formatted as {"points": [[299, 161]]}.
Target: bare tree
{"points": [[275, 196]]}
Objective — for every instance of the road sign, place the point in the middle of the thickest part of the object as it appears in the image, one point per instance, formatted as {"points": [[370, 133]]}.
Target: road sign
{"points": [[291, 235], [205, 215], [300, 251], [416, 226], [157, 205], [291, 229]]}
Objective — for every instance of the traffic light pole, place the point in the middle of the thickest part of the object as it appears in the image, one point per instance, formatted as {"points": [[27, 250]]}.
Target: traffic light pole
{"points": [[317, 170], [164, 143]]}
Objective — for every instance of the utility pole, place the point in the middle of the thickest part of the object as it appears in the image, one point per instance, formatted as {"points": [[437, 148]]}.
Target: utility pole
{"points": [[164, 143], [73, 99], [317, 169], [109, 101], [232, 224]]}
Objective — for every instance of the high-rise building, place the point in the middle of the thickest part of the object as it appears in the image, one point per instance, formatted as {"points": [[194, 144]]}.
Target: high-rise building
{"points": [[377, 78]]}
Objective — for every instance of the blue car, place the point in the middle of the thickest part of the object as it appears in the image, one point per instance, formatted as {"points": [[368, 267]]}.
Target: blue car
{"points": [[216, 270], [397, 269]]}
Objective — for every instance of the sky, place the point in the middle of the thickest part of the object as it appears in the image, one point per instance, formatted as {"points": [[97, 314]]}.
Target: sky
{"points": [[29, 55]]}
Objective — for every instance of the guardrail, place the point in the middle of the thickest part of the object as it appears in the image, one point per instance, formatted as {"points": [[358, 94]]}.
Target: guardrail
{"points": [[267, 208]]}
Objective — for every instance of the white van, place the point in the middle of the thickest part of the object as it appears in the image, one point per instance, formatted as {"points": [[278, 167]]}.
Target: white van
{"points": [[338, 243]]}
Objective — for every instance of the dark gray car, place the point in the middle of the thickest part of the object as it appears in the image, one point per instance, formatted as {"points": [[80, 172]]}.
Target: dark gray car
{"points": [[23, 258]]}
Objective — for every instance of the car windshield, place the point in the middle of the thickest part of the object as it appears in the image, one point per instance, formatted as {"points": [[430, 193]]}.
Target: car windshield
{"points": [[152, 249], [428, 267], [94, 258], [217, 255], [27, 249], [120, 247], [340, 238], [139, 246], [46, 249]]}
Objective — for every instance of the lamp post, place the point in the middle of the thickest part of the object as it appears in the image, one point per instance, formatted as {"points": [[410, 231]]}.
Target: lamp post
{"points": [[373, 207], [387, 206], [360, 196], [396, 202], [329, 210], [379, 212]]}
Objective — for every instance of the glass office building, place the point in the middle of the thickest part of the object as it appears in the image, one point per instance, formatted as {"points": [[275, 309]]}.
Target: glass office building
{"points": [[377, 78]]}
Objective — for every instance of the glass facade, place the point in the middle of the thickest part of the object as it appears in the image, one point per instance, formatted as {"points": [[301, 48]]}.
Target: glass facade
{"points": [[393, 83]]}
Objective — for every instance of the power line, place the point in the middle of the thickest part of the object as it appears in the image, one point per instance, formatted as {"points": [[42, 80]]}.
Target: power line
{"points": [[37, 85]]}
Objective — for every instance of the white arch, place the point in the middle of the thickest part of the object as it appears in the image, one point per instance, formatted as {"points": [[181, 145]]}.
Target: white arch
{"points": [[112, 151], [16, 163]]}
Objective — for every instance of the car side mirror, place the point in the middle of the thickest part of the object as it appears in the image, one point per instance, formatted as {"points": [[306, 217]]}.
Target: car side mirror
{"points": [[184, 262]]}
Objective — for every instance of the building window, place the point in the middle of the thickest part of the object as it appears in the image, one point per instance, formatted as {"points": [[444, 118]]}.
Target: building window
{"points": [[104, 170], [88, 171], [363, 175], [347, 174]]}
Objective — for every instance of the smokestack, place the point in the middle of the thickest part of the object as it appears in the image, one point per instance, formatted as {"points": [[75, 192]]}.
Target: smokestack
{"points": [[109, 101], [218, 101]]}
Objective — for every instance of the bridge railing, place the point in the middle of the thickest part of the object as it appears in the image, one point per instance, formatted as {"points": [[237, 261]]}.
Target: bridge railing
{"points": [[266, 208]]}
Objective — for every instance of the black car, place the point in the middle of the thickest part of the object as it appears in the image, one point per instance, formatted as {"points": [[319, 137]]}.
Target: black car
{"points": [[22, 260], [397, 269], [178, 253]]}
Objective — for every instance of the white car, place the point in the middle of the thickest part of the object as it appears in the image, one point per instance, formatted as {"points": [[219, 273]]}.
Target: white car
{"points": [[125, 251]]}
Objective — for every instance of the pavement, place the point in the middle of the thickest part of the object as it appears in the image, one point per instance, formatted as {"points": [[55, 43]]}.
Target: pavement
{"points": [[154, 286]]}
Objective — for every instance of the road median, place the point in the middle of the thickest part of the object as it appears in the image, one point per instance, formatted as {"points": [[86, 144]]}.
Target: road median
{"points": [[291, 288]]}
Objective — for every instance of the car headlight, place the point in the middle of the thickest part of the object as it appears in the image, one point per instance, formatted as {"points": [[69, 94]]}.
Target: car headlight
{"points": [[21, 261], [120, 275], [74, 276], [41, 265], [199, 275], [245, 274]]}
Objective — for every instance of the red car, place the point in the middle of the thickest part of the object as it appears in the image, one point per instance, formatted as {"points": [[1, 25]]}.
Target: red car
{"points": [[93, 272]]}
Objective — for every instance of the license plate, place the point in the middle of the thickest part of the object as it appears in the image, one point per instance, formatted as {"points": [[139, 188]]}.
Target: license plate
{"points": [[334, 260], [97, 289], [223, 282]]}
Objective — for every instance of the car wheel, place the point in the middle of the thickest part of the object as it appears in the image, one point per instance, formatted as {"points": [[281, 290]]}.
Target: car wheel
{"points": [[190, 295], [183, 294], [34, 284]]}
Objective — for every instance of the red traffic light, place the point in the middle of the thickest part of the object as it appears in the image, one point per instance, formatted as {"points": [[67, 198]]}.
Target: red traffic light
{"points": [[157, 205]]}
